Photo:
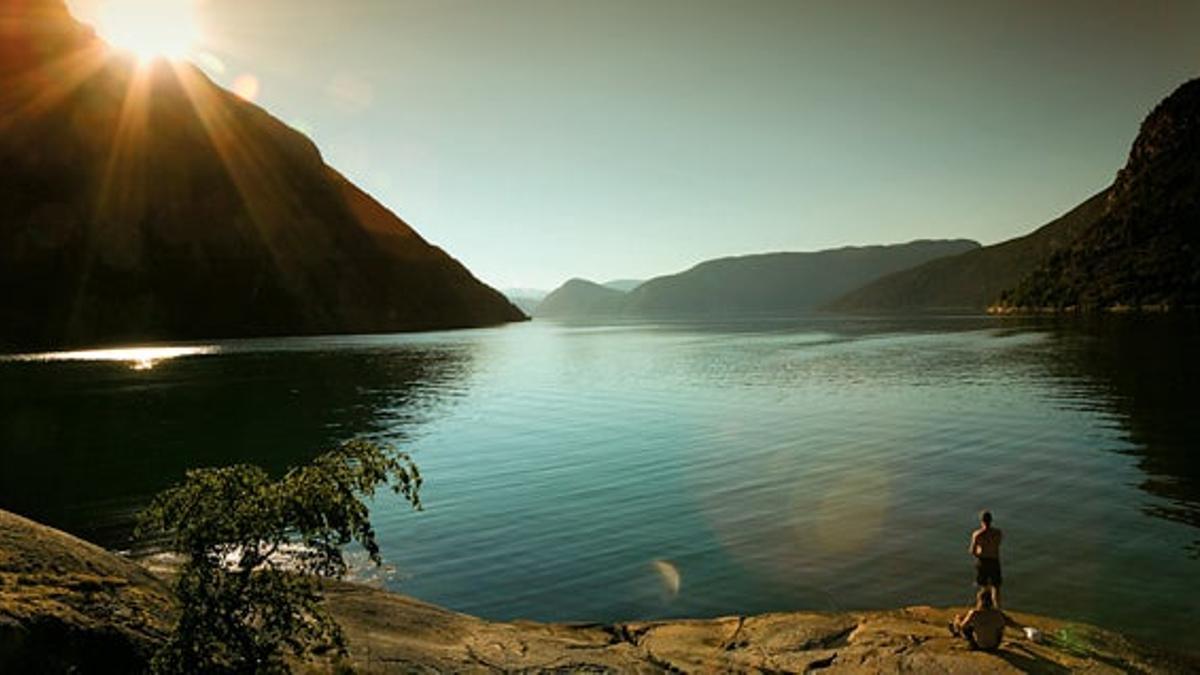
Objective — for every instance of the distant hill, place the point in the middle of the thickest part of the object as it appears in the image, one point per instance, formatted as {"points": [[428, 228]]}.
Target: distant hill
{"points": [[625, 285], [531, 293], [1145, 249], [780, 282], [580, 298], [975, 279], [146, 203], [525, 299], [525, 304]]}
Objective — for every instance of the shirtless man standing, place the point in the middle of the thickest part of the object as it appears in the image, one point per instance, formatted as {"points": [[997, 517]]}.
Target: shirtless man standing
{"points": [[985, 546]]}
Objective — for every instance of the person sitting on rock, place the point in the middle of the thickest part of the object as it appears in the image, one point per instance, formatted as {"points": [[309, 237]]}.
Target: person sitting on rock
{"points": [[983, 626]]}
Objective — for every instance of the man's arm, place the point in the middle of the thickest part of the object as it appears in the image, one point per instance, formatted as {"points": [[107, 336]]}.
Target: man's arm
{"points": [[974, 542], [961, 619], [967, 620]]}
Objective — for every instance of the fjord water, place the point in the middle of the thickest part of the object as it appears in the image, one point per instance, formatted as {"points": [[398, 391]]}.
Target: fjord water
{"points": [[682, 469]]}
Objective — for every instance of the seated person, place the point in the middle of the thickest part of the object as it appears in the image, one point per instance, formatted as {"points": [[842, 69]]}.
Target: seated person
{"points": [[983, 626]]}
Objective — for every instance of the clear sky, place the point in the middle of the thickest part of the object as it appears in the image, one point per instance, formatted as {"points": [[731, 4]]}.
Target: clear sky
{"points": [[538, 140]]}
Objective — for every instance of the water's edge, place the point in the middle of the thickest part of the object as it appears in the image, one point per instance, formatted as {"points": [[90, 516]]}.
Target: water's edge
{"points": [[118, 618]]}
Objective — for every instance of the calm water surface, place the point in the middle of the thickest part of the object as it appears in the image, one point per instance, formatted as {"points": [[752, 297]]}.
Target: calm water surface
{"points": [[824, 463]]}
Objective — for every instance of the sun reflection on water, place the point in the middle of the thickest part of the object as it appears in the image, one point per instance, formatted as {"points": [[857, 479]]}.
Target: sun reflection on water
{"points": [[137, 358]]}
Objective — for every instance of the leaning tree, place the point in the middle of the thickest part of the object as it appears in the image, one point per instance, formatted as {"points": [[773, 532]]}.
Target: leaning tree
{"points": [[254, 550]]}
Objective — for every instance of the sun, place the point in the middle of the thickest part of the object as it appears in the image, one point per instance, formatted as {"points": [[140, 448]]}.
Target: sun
{"points": [[149, 29]]}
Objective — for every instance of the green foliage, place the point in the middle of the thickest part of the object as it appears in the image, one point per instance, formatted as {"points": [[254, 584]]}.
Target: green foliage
{"points": [[255, 549], [1076, 640]]}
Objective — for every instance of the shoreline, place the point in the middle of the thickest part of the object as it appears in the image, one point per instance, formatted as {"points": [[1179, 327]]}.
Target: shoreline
{"points": [[67, 604], [393, 632]]}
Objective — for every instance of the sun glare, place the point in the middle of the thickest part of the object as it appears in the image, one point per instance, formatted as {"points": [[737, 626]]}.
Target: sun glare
{"points": [[149, 28], [137, 358]]}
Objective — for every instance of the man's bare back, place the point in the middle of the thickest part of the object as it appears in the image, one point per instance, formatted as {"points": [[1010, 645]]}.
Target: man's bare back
{"points": [[985, 546], [985, 542]]}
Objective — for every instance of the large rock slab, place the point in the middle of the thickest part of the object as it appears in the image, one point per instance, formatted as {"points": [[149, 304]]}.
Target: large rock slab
{"points": [[391, 633], [69, 606]]}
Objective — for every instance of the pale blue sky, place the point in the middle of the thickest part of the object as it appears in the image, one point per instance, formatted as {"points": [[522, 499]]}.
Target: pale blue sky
{"points": [[538, 140]]}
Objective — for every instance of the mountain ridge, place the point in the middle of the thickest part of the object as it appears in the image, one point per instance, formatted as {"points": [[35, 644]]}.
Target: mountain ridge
{"points": [[1133, 245], [579, 298], [145, 203], [1144, 252], [781, 281], [971, 280]]}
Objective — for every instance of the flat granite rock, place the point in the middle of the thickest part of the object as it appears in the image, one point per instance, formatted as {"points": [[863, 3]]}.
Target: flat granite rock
{"points": [[69, 606], [392, 633]]}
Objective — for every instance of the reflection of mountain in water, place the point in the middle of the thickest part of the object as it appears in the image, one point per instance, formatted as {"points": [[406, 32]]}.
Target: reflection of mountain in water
{"points": [[102, 436], [1146, 368]]}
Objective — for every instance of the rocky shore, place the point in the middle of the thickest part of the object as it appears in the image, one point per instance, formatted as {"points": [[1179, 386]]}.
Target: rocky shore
{"points": [[69, 606]]}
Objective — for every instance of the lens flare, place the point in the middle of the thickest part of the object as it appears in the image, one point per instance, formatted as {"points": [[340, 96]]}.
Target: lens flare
{"points": [[149, 29], [669, 575], [247, 87]]}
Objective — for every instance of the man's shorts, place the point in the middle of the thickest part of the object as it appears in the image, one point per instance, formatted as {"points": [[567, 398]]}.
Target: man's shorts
{"points": [[987, 572]]}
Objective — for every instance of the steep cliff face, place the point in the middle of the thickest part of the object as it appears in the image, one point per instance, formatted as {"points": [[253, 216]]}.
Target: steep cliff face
{"points": [[142, 202], [1145, 249]]}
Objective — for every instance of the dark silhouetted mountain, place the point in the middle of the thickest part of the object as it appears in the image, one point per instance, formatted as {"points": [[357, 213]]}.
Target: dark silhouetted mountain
{"points": [[143, 202], [580, 298], [972, 280], [780, 282], [623, 285], [1145, 249]]}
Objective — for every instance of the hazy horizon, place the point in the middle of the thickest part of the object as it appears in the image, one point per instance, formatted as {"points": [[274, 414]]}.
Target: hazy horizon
{"points": [[538, 141]]}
